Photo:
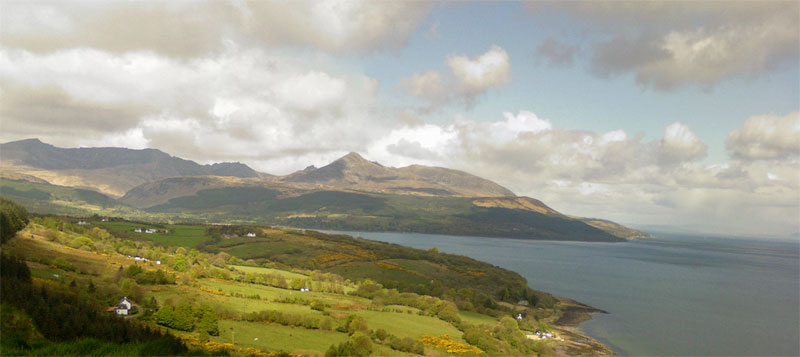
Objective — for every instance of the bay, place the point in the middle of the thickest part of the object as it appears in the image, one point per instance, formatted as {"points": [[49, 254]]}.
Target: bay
{"points": [[670, 295]]}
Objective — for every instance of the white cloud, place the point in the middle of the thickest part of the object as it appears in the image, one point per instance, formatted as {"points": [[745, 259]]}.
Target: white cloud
{"points": [[680, 144], [766, 137], [468, 79], [240, 106], [475, 75], [188, 29], [313, 91]]}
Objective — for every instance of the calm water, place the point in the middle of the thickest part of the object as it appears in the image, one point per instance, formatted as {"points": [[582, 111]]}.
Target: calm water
{"points": [[673, 295]]}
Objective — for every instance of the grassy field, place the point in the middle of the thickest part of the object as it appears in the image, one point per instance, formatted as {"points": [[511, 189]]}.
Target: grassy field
{"points": [[408, 325], [179, 235], [272, 337], [268, 293], [476, 318], [260, 270]]}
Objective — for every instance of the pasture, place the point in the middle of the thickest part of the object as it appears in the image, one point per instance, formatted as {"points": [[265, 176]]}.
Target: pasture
{"points": [[189, 236]]}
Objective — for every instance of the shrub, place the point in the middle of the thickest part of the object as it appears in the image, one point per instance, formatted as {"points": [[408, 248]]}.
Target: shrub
{"points": [[63, 264], [326, 323], [362, 344], [356, 323], [317, 305]]}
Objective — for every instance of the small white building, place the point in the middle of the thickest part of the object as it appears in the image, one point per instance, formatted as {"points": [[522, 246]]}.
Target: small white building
{"points": [[83, 223], [519, 316], [123, 307], [137, 230], [151, 231], [251, 235]]}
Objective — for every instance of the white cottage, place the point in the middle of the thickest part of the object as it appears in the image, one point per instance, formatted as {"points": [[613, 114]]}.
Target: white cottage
{"points": [[123, 307], [251, 235]]}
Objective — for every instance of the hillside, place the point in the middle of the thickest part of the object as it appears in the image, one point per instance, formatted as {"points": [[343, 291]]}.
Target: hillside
{"points": [[350, 193], [282, 291], [112, 171]]}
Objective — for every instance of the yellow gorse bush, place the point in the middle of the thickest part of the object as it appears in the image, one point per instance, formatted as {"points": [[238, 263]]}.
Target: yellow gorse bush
{"points": [[392, 266], [217, 347], [215, 292], [447, 343]]}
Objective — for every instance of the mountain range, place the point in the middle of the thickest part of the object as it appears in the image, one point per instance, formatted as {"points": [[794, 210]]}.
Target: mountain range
{"points": [[350, 193]]}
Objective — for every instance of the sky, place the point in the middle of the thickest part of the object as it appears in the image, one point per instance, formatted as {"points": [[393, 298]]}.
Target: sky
{"points": [[678, 116]]}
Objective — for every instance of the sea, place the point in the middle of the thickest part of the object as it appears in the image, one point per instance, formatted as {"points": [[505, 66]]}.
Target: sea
{"points": [[673, 295]]}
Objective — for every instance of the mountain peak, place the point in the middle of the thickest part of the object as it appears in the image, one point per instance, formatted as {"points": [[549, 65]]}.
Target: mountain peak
{"points": [[26, 142], [352, 157]]}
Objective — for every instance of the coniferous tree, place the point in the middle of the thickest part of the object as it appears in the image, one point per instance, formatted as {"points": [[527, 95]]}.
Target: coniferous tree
{"points": [[13, 218]]}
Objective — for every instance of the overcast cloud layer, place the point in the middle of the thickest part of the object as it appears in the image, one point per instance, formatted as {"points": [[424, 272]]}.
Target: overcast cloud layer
{"points": [[270, 84]]}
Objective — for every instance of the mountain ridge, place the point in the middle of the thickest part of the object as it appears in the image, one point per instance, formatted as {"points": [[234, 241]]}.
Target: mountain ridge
{"points": [[350, 193], [109, 170], [352, 171]]}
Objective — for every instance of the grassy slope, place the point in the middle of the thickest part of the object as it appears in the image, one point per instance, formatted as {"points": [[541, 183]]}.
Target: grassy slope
{"points": [[179, 234], [324, 210], [271, 337], [376, 212], [51, 199]]}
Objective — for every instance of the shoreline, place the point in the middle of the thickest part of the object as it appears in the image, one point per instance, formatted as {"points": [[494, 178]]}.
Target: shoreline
{"points": [[576, 342]]}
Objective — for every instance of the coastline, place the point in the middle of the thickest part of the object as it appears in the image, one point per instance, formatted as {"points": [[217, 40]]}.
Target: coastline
{"points": [[573, 313], [567, 327]]}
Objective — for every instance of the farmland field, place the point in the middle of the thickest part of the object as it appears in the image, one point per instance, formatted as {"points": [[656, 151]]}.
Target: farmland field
{"points": [[259, 270], [272, 337], [179, 235]]}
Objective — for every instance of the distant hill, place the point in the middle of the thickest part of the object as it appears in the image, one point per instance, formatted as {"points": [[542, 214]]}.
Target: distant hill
{"points": [[112, 171], [350, 193], [356, 173]]}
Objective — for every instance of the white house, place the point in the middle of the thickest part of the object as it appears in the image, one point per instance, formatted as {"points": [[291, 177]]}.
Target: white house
{"points": [[151, 230], [519, 316], [123, 307], [137, 230], [83, 223], [251, 235]]}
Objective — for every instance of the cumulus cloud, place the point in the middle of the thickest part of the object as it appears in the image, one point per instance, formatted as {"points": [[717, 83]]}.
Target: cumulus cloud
{"points": [[669, 44], [766, 137], [467, 79], [193, 28], [680, 144], [247, 105], [475, 75]]}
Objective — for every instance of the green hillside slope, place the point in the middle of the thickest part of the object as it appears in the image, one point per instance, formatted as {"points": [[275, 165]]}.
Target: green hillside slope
{"points": [[380, 212]]}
